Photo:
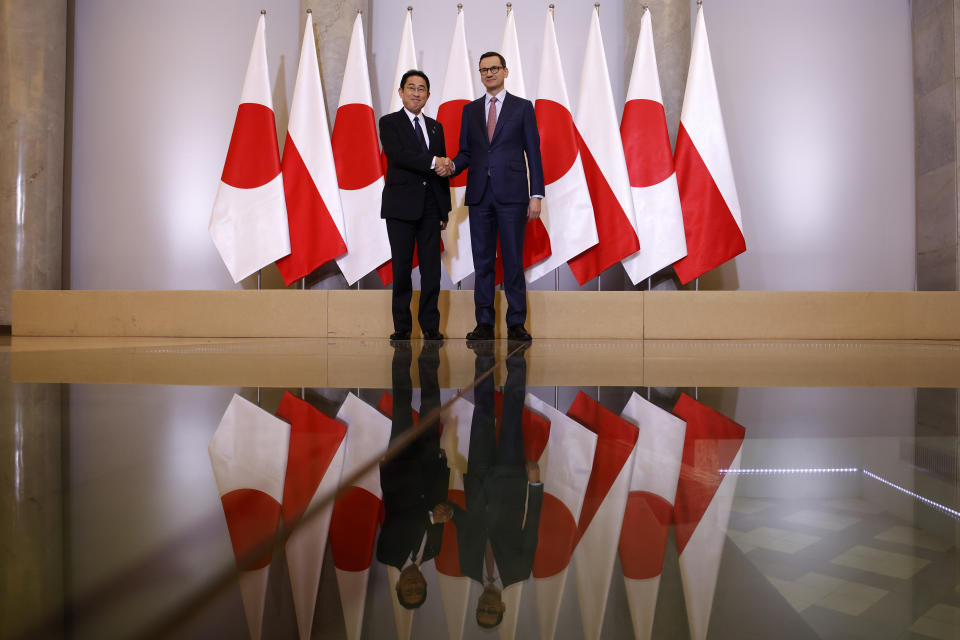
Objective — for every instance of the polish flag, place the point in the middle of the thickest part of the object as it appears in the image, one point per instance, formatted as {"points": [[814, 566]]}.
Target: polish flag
{"points": [[565, 466], [248, 453], [309, 174], [314, 464], [356, 153], [406, 60], [454, 586], [356, 513], [653, 179], [653, 486], [567, 212], [248, 224], [603, 162], [708, 194], [701, 513], [536, 241], [603, 509], [456, 93]]}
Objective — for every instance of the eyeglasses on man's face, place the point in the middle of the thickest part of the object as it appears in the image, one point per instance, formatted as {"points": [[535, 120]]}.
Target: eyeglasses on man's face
{"points": [[490, 70]]}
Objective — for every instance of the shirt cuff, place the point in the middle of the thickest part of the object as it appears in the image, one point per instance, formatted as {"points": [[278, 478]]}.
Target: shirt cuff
{"points": [[433, 163], [537, 196]]}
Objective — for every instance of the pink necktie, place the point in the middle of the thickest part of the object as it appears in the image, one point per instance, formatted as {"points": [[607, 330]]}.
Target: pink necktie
{"points": [[492, 119]]}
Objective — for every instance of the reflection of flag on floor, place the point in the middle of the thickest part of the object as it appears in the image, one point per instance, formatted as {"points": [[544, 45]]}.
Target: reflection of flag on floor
{"points": [[646, 523], [356, 514], [702, 506], [454, 586], [248, 453], [314, 464], [565, 465], [602, 516]]}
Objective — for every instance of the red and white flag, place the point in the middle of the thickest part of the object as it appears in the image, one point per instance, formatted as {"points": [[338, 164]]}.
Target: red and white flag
{"points": [[603, 162], [653, 180], [567, 212], [565, 465], [536, 241], [356, 153], [356, 513], [601, 518], [646, 523], [248, 224], [457, 91], [248, 453], [314, 464], [708, 194], [705, 491], [309, 175]]}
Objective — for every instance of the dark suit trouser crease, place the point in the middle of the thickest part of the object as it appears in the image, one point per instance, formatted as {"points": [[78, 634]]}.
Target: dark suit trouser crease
{"points": [[424, 233], [490, 219]]}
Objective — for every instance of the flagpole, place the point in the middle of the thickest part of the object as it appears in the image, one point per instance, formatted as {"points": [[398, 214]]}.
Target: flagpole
{"points": [[263, 12]]}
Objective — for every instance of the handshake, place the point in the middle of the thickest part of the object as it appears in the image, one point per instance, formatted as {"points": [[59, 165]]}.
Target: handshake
{"points": [[443, 167]]}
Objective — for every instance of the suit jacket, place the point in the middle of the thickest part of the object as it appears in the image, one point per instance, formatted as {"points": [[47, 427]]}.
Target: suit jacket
{"points": [[408, 166], [495, 511], [501, 160], [415, 481]]}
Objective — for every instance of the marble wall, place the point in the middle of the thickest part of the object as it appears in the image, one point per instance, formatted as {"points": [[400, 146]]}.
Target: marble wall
{"points": [[33, 42], [936, 50]]}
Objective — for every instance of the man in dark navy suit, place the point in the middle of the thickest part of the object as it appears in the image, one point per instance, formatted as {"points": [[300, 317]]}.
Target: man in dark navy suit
{"points": [[416, 202], [499, 142]]}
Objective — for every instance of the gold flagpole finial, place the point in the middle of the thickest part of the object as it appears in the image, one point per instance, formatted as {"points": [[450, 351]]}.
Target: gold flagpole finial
{"points": [[459, 7], [310, 11], [509, 7], [263, 12], [410, 8]]}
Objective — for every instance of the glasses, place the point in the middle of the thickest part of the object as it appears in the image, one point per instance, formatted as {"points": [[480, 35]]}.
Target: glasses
{"points": [[485, 70]]}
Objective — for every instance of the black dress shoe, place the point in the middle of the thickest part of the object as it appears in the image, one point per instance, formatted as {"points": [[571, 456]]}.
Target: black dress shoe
{"points": [[400, 335], [517, 332], [432, 334], [482, 331]]}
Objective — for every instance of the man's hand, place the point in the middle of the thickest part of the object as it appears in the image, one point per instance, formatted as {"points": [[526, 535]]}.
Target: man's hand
{"points": [[443, 512], [533, 209], [443, 225], [533, 471], [443, 167]]}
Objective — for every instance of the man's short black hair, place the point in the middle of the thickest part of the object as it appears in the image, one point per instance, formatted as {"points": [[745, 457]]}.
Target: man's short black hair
{"points": [[490, 54], [414, 72]]}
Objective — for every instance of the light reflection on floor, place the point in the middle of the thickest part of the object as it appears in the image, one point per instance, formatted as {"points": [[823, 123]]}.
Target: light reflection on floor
{"points": [[655, 490]]}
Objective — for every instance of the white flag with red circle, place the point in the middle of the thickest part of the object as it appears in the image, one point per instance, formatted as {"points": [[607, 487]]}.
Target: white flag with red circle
{"points": [[653, 179], [567, 212], [356, 153], [248, 224]]}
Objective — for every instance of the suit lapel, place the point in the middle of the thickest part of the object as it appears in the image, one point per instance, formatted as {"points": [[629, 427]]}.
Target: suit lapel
{"points": [[433, 135]]}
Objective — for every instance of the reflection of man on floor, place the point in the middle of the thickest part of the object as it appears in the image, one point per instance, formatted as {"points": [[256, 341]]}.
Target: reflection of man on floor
{"points": [[497, 532], [414, 482]]}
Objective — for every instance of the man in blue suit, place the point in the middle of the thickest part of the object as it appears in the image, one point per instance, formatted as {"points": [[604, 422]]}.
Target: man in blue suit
{"points": [[499, 142]]}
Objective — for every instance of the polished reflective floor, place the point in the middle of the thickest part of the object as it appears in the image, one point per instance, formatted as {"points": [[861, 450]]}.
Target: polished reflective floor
{"points": [[597, 489]]}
